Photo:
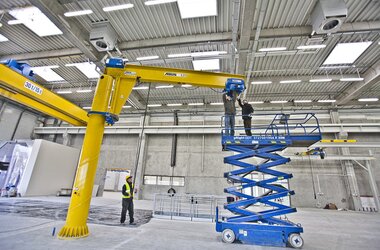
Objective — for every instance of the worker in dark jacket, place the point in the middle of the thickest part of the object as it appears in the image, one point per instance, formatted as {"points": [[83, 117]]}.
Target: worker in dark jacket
{"points": [[229, 113], [127, 201], [246, 111]]}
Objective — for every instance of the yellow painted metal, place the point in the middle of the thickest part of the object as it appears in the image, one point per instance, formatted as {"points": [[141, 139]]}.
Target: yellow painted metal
{"points": [[113, 90], [22, 99], [338, 141], [76, 226], [173, 76], [33, 95]]}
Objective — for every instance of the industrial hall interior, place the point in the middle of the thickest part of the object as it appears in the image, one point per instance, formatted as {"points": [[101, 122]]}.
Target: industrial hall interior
{"points": [[189, 124]]}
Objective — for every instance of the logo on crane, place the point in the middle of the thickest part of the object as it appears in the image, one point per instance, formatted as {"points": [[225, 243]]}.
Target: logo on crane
{"points": [[174, 74]]}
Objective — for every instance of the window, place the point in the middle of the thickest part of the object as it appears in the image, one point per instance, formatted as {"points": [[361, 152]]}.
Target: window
{"points": [[178, 181]]}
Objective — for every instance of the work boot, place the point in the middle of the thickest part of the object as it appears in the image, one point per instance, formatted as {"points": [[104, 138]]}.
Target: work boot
{"points": [[132, 223]]}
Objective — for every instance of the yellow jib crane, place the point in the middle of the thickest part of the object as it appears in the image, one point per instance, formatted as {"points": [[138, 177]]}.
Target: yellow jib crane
{"points": [[113, 90]]}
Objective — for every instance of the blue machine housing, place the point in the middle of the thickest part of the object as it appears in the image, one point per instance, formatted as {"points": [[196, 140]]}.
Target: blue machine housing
{"points": [[115, 63], [22, 68], [234, 84]]}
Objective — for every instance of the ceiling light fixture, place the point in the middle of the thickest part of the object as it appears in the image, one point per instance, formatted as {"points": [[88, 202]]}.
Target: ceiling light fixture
{"points": [[302, 101], [84, 91], [321, 80], [64, 92], [3, 38], [143, 58], [87, 68], [216, 103], [272, 49], [368, 99], [197, 8], [211, 64], [351, 79], [35, 20], [195, 104], [326, 101], [127, 107], [346, 53], [154, 105], [155, 2], [140, 88], [47, 73], [186, 85], [256, 102], [118, 7], [78, 13], [164, 86], [261, 82], [290, 81], [174, 104], [316, 46], [277, 102], [86, 108]]}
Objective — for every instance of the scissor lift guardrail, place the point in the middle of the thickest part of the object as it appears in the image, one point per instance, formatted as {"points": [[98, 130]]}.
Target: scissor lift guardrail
{"points": [[264, 227]]}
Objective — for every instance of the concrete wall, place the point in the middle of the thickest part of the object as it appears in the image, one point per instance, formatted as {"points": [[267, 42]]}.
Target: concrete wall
{"points": [[16, 123]]}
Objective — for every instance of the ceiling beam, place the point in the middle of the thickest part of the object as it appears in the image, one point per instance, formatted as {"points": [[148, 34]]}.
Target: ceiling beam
{"points": [[43, 54], [371, 77], [246, 18]]}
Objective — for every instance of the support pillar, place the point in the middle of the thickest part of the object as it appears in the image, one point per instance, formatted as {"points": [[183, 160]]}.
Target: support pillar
{"points": [[372, 183]]}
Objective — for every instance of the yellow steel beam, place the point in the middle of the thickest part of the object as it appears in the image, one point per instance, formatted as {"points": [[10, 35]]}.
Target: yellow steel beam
{"points": [[338, 141], [173, 76], [114, 88], [33, 95]]}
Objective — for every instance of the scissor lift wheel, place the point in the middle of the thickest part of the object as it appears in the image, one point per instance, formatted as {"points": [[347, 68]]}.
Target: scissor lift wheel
{"points": [[295, 241], [228, 236]]}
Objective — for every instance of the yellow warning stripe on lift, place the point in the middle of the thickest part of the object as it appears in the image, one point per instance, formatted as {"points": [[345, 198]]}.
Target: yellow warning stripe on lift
{"points": [[338, 141]]}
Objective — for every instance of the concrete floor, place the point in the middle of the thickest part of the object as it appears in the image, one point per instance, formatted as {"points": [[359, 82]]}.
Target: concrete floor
{"points": [[323, 230]]}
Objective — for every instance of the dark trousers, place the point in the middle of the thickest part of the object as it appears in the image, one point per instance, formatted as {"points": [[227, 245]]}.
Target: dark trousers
{"points": [[247, 126], [127, 205]]}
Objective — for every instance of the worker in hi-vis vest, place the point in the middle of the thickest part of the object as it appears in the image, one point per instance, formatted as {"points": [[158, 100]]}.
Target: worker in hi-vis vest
{"points": [[127, 201]]}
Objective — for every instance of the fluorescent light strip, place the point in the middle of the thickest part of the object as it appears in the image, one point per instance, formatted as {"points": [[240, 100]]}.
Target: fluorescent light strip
{"points": [[211, 64], [346, 53], [86, 108], [78, 13], [256, 102], [357, 79], [140, 88], [276, 102], [14, 22], [118, 7], [143, 58], [272, 49], [164, 86], [195, 104], [84, 91], [179, 55], [186, 85], [174, 104], [154, 105], [208, 53], [216, 103], [3, 38], [321, 80], [197, 8], [64, 92], [302, 101], [325, 101], [316, 46], [261, 82], [368, 99], [155, 2], [290, 81], [127, 107]]}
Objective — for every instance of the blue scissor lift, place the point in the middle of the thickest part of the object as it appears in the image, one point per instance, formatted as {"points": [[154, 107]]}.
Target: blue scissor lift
{"points": [[265, 227]]}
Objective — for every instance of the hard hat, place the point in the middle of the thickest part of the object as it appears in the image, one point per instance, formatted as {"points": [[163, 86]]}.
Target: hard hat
{"points": [[127, 177]]}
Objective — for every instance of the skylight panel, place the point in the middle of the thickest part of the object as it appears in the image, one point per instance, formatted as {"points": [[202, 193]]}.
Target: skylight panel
{"points": [[47, 73], [197, 8], [36, 21], [346, 53], [212, 64], [87, 68], [3, 38]]}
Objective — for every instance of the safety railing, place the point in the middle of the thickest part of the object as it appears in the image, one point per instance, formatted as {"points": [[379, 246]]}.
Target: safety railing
{"points": [[296, 124], [186, 207]]}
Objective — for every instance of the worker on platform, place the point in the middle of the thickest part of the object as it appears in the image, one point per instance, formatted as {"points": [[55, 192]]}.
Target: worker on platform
{"points": [[246, 111], [127, 201], [229, 100]]}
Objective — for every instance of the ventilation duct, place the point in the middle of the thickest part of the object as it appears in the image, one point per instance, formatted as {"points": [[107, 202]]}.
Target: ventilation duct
{"points": [[103, 36], [328, 16]]}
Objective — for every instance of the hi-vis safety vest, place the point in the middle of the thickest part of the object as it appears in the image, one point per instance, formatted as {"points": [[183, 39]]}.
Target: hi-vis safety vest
{"points": [[128, 190]]}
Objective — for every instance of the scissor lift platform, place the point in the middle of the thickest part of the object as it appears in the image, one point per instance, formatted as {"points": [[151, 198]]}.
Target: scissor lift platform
{"points": [[264, 227]]}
